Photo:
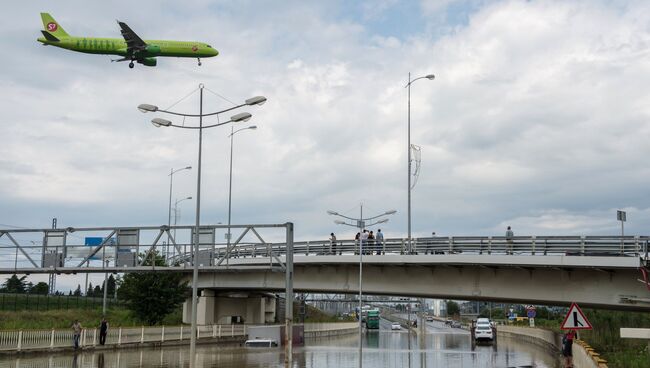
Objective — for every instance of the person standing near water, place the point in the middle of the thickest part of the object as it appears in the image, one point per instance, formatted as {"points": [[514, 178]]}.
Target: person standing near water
{"points": [[103, 331]]}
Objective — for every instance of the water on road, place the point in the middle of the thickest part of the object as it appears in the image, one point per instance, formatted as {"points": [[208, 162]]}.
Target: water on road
{"points": [[442, 347]]}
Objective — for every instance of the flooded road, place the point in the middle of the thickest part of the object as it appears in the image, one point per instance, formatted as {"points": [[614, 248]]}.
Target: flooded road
{"points": [[442, 347]]}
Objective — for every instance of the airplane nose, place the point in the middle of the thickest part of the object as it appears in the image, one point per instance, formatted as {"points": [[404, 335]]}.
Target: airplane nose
{"points": [[214, 52]]}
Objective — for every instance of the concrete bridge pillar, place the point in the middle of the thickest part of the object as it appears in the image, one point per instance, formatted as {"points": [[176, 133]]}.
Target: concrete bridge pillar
{"points": [[236, 308], [205, 313]]}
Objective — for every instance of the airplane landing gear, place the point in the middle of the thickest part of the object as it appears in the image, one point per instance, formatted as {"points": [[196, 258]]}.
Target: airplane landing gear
{"points": [[199, 61], [131, 65]]}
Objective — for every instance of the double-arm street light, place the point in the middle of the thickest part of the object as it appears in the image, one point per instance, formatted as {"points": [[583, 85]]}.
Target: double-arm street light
{"points": [[408, 85], [232, 134], [159, 122], [361, 224], [169, 212]]}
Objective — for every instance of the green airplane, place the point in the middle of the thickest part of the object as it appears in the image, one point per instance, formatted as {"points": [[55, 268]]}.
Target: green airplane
{"points": [[132, 48]]}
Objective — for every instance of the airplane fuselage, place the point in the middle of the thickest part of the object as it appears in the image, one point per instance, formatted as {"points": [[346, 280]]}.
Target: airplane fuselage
{"points": [[117, 46]]}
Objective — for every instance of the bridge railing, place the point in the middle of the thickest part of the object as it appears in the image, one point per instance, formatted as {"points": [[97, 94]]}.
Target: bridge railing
{"points": [[124, 247]]}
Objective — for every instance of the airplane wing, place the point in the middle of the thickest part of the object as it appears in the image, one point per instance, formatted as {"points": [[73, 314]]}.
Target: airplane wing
{"points": [[133, 42]]}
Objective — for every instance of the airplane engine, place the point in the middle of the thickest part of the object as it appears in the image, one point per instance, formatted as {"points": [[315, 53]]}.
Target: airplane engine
{"points": [[152, 50], [149, 61]]}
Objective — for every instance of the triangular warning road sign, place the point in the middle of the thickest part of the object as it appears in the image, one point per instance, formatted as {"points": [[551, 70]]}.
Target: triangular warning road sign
{"points": [[575, 319]]}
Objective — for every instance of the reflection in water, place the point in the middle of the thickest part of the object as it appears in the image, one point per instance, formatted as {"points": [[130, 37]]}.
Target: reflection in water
{"points": [[382, 349]]}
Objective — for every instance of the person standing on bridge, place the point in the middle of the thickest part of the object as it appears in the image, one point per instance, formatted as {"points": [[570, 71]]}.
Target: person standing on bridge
{"points": [[357, 240], [364, 241], [371, 242], [509, 236], [380, 241], [332, 243]]}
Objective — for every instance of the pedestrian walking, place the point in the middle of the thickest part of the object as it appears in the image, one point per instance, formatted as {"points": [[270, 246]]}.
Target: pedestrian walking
{"points": [[509, 236], [76, 333], [380, 241], [567, 348], [103, 331], [332, 243]]}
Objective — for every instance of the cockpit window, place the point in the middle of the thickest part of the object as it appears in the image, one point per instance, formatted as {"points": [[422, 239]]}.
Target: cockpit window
{"points": [[209, 46]]}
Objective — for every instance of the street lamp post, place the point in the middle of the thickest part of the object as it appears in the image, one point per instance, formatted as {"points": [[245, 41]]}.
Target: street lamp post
{"points": [[232, 134], [176, 220], [361, 224], [159, 122], [169, 212], [408, 85]]}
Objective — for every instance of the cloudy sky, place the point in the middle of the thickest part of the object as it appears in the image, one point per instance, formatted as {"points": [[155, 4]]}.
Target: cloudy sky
{"points": [[538, 116]]}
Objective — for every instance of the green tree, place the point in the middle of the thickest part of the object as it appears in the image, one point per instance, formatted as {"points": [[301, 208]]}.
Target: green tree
{"points": [[40, 288], [15, 285], [151, 295], [111, 286], [452, 308], [77, 291], [98, 291], [91, 290]]}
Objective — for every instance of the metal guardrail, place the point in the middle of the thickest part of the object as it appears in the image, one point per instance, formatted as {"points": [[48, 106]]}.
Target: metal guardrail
{"points": [[125, 247], [21, 340], [53, 339]]}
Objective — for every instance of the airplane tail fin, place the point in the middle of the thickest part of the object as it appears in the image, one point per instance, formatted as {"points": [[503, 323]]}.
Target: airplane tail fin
{"points": [[52, 27]]}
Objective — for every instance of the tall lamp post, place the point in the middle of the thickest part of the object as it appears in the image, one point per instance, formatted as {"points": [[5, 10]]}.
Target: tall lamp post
{"points": [[408, 85], [176, 219], [361, 224], [159, 122], [169, 212], [232, 134]]}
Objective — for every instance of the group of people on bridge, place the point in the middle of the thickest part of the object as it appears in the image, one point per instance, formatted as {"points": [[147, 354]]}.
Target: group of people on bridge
{"points": [[369, 241]]}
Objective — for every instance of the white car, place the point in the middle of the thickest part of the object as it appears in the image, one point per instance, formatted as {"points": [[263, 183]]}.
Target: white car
{"points": [[483, 332], [429, 319], [395, 326]]}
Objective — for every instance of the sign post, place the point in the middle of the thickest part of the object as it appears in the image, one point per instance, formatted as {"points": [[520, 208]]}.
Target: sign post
{"points": [[575, 319]]}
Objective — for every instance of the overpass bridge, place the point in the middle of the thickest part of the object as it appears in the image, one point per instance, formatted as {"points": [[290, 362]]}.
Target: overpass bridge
{"points": [[595, 271]]}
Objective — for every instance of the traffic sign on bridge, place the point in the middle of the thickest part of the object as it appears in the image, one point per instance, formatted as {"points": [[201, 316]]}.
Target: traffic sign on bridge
{"points": [[575, 319]]}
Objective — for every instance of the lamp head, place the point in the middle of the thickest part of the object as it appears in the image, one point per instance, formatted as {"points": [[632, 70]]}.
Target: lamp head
{"points": [[158, 122], [147, 108], [188, 168], [242, 116], [391, 212], [330, 212], [339, 222], [253, 127], [382, 221], [257, 100], [188, 198], [430, 76]]}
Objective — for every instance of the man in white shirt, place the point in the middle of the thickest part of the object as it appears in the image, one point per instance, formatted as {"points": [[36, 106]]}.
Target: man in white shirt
{"points": [[364, 241]]}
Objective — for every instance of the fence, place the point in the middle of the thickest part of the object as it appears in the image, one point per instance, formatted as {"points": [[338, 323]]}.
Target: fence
{"points": [[54, 339], [20, 302]]}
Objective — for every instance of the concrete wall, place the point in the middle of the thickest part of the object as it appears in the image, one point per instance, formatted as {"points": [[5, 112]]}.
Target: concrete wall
{"points": [[545, 338], [583, 355]]}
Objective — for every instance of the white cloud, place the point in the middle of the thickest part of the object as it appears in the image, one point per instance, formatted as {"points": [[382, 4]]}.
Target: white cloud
{"points": [[537, 117]]}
